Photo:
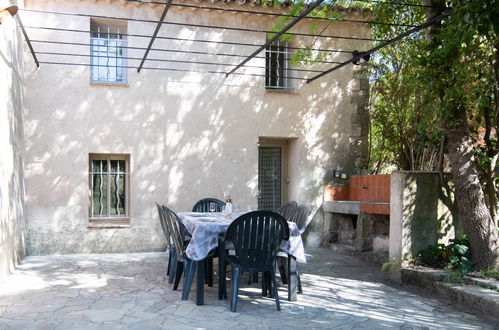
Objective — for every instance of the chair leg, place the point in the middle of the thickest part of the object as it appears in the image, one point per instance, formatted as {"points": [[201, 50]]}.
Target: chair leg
{"points": [[282, 270], [169, 262], [236, 273], [178, 275], [173, 270], [274, 289], [269, 285], [189, 270], [265, 285], [222, 271], [209, 272]]}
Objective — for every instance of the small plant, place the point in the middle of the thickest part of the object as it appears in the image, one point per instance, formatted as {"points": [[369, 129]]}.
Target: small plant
{"points": [[386, 266], [489, 273], [459, 255], [454, 256], [454, 276]]}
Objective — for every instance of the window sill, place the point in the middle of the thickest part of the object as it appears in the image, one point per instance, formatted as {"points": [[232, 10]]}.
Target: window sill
{"points": [[109, 223], [282, 91], [108, 84]]}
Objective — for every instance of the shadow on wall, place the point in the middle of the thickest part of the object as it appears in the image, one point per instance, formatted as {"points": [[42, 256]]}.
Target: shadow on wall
{"points": [[430, 211], [12, 206], [189, 135]]}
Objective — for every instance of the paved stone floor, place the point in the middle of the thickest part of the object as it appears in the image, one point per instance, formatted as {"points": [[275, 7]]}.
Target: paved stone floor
{"points": [[129, 291]]}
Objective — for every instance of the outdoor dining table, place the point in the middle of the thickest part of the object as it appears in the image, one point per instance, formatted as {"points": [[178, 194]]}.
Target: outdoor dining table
{"points": [[206, 229]]}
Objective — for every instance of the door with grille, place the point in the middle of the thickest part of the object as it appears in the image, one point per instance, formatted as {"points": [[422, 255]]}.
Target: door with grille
{"points": [[270, 177]]}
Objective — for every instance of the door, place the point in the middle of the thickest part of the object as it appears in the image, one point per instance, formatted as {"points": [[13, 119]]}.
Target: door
{"points": [[271, 174]]}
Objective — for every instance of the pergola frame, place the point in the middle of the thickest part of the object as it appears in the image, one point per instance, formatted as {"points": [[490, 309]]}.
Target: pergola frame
{"points": [[169, 3]]}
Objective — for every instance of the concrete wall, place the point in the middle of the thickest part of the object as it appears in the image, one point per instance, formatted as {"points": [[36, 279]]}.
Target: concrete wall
{"points": [[12, 207], [189, 135], [422, 213]]}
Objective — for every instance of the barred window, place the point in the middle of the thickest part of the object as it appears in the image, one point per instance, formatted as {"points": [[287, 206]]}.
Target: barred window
{"points": [[277, 73], [109, 186], [108, 51]]}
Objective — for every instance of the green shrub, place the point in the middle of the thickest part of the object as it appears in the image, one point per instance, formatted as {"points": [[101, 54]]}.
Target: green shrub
{"points": [[454, 256]]}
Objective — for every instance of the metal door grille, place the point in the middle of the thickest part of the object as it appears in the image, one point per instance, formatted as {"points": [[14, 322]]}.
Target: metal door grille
{"points": [[269, 177]]}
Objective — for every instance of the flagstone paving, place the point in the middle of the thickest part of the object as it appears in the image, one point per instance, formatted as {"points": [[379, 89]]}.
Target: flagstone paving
{"points": [[130, 291]]}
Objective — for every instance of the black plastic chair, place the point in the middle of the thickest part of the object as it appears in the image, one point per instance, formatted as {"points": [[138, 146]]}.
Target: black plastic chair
{"points": [[203, 205], [180, 238], [256, 237], [299, 216], [286, 209], [169, 244]]}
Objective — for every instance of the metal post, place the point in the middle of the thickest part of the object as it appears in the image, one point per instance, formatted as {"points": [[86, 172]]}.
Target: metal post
{"points": [[165, 11], [21, 25], [279, 34]]}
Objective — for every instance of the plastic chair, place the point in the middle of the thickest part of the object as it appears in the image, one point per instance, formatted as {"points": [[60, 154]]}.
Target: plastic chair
{"points": [[203, 205], [169, 244], [180, 238], [286, 209], [256, 237], [299, 216]]}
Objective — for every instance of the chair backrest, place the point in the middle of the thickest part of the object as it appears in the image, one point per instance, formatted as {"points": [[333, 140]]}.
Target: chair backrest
{"points": [[256, 237], [179, 234], [164, 226], [203, 205], [286, 209], [300, 217]]}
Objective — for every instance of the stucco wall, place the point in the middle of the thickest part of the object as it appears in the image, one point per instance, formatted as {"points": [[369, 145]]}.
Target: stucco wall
{"points": [[189, 135], [422, 213], [12, 208]]}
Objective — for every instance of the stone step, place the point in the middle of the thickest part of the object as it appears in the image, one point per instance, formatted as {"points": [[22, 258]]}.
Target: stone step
{"points": [[481, 295]]}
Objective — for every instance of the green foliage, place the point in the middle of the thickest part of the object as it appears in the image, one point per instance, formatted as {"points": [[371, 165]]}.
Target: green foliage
{"points": [[489, 273], [386, 266], [454, 277], [454, 256]]}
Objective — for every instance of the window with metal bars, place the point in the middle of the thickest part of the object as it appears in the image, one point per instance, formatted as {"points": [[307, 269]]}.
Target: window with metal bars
{"points": [[108, 51], [109, 186], [277, 73]]}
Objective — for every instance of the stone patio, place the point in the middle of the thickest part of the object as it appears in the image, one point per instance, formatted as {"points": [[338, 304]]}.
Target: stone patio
{"points": [[129, 291]]}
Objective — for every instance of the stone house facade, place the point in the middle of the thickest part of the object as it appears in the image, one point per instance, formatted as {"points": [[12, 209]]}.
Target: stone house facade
{"points": [[92, 143]]}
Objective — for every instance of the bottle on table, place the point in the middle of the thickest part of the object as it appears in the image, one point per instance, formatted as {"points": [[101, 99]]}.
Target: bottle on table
{"points": [[228, 205]]}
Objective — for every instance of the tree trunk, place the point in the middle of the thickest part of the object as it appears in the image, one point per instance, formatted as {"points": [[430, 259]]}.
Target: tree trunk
{"points": [[477, 221]]}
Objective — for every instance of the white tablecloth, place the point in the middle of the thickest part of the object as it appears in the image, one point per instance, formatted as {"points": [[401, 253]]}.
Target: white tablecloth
{"points": [[205, 228]]}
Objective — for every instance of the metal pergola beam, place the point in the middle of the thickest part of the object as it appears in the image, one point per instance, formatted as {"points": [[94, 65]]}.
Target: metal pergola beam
{"points": [[382, 45], [162, 18], [21, 25], [278, 34]]}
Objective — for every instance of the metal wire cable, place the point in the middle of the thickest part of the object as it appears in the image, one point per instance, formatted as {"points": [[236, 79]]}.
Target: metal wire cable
{"points": [[207, 26], [244, 11], [160, 50], [184, 39], [174, 61], [167, 69]]}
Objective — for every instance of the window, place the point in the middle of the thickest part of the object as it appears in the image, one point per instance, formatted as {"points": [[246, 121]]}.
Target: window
{"points": [[109, 186], [277, 56], [108, 51]]}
